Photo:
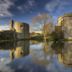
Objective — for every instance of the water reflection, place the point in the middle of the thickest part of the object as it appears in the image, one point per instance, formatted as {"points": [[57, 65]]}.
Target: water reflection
{"points": [[42, 53], [63, 51], [57, 47], [50, 55], [22, 49], [37, 56], [67, 53], [7, 45], [15, 49]]}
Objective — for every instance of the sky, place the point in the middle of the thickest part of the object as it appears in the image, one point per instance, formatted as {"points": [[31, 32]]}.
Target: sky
{"points": [[26, 10]]}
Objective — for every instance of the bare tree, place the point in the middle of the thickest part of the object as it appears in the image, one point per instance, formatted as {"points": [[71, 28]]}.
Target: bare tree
{"points": [[41, 20]]}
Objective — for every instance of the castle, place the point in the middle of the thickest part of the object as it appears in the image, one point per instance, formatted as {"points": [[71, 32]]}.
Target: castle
{"points": [[17, 31]]}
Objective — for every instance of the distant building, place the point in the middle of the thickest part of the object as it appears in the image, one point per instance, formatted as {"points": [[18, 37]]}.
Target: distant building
{"points": [[66, 23]]}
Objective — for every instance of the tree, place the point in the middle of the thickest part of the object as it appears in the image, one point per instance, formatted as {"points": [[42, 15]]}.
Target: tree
{"points": [[41, 20]]}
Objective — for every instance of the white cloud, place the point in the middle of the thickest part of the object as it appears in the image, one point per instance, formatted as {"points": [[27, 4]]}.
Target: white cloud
{"points": [[6, 10], [1, 14], [6, 27], [60, 5], [50, 6], [4, 6]]}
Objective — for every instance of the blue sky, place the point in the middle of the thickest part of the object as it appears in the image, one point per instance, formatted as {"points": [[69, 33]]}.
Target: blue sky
{"points": [[25, 10]]}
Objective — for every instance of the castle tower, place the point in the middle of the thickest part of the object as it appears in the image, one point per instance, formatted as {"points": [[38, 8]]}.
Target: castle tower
{"points": [[11, 25], [22, 30]]}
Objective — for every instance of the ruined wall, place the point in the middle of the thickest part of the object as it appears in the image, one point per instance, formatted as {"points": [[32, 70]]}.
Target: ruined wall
{"points": [[66, 23]]}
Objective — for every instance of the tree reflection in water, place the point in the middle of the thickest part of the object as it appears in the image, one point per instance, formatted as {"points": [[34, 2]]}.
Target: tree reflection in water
{"points": [[57, 46], [43, 56]]}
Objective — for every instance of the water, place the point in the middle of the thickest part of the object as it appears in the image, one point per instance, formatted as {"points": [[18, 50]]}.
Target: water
{"points": [[34, 56]]}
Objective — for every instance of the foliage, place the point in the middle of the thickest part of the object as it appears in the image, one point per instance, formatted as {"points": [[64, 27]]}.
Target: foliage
{"points": [[57, 46], [57, 36]]}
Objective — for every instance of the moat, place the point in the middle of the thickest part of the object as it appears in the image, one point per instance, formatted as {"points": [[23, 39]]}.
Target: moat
{"points": [[34, 56]]}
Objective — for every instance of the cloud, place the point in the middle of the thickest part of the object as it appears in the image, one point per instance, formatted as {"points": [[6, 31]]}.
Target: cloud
{"points": [[57, 5], [64, 4], [13, 7], [50, 6], [5, 68], [21, 7], [4, 6], [4, 27], [2, 14], [28, 5]]}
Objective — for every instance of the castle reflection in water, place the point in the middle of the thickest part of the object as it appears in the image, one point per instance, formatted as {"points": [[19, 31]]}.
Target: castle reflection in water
{"points": [[41, 52], [16, 49]]}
